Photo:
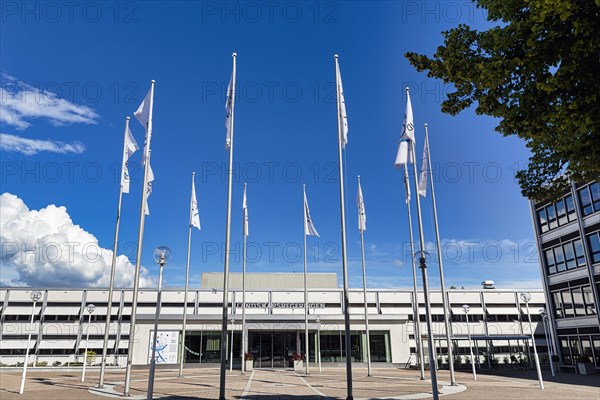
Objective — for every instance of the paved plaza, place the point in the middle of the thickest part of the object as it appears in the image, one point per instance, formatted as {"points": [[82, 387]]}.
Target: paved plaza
{"points": [[386, 383]]}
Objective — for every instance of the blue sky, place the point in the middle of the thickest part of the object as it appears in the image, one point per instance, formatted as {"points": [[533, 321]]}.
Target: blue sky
{"points": [[98, 59]]}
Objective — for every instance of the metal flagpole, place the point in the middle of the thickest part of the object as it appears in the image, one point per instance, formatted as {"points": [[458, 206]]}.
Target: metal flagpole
{"points": [[138, 262], [347, 346], [423, 266], [245, 233], [441, 267], [417, 317], [187, 276], [361, 211], [305, 291], [227, 236], [112, 272]]}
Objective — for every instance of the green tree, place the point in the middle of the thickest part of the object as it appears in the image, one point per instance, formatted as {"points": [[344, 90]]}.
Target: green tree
{"points": [[538, 70]]}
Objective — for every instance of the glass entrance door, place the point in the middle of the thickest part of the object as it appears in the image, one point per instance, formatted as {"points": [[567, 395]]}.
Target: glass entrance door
{"points": [[272, 349]]}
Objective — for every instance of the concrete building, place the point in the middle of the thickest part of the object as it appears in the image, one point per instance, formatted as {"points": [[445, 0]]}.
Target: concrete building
{"points": [[275, 323], [568, 239]]}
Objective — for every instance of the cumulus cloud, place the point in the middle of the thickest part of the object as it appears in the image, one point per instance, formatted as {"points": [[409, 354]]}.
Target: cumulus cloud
{"points": [[29, 147], [44, 248], [21, 102]]}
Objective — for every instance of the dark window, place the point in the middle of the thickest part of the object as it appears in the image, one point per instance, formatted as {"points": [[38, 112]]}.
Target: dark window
{"points": [[595, 191], [570, 208], [542, 220], [559, 257], [578, 305], [569, 255], [551, 213], [561, 213], [550, 261], [567, 303], [585, 200], [579, 253], [588, 299], [594, 242], [565, 351]]}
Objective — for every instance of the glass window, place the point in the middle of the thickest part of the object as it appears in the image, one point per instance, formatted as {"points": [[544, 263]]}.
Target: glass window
{"points": [[594, 242], [558, 305], [596, 344], [575, 349], [595, 191], [570, 208], [550, 261], [588, 299], [565, 351], [585, 200], [569, 255], [561, 213], [551, 213], [567, 303], [578, 305], [579, 253], [542, 220], [559, 258]]}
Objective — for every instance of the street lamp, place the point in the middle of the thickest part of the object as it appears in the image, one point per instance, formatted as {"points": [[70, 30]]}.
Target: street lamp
{"points": [[526, 297], [466, 308], [35, 295], [90, 309], [318, 319], [545, 317], [161, 255]]}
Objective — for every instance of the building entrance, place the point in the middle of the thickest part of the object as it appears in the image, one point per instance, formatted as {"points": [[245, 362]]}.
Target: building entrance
{"points": [[272, 349]]}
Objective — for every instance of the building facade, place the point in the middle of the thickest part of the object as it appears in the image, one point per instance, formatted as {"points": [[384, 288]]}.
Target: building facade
{"points": [[568, 239], [274, 321]]}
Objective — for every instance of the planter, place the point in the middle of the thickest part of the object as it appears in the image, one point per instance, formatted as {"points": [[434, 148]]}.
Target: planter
{"points": [[586, 369], [298, 366], [249, 365]]}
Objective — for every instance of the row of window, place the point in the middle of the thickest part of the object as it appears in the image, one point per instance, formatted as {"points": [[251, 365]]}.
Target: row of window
{"points": [[571, 254], [563, 211], [573, 348], [574, 302], [589, 197], [564, 257]]}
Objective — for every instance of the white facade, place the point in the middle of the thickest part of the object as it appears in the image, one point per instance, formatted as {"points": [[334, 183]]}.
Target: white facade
{"points": [[275, 324]]}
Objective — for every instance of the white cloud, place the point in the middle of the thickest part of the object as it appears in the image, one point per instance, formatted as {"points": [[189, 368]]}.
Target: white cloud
{"points": [[21, 102], [29, 147], [46, 249]]}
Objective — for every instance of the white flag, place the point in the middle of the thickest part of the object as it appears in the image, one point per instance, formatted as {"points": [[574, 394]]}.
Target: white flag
{"points": [[404, 154], [343, 118], [309, 228], [406, 185], [194, 216], [143, 112], [424, 168], [229, 106], [362, 213], [148, 189], [245, 209], [129, 148]]}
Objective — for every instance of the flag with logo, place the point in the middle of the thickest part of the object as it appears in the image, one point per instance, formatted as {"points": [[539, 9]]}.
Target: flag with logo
{"points": [[405, 155], [129, 148], [194, 215], [309, 227], [362, 214]]}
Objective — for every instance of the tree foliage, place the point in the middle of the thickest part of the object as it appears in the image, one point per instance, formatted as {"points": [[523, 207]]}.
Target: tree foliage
{"points": [[537, 70]]}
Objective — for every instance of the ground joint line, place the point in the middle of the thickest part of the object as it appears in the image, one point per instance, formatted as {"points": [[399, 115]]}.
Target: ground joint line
{"points": [[248, 384]]}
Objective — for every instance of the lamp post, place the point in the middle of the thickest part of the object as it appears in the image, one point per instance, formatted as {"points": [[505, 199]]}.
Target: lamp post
{"points": [[466, 308], [35, 295], [318, 319], [161, 255], [544, 316], [90, 309], [526, 297]]}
